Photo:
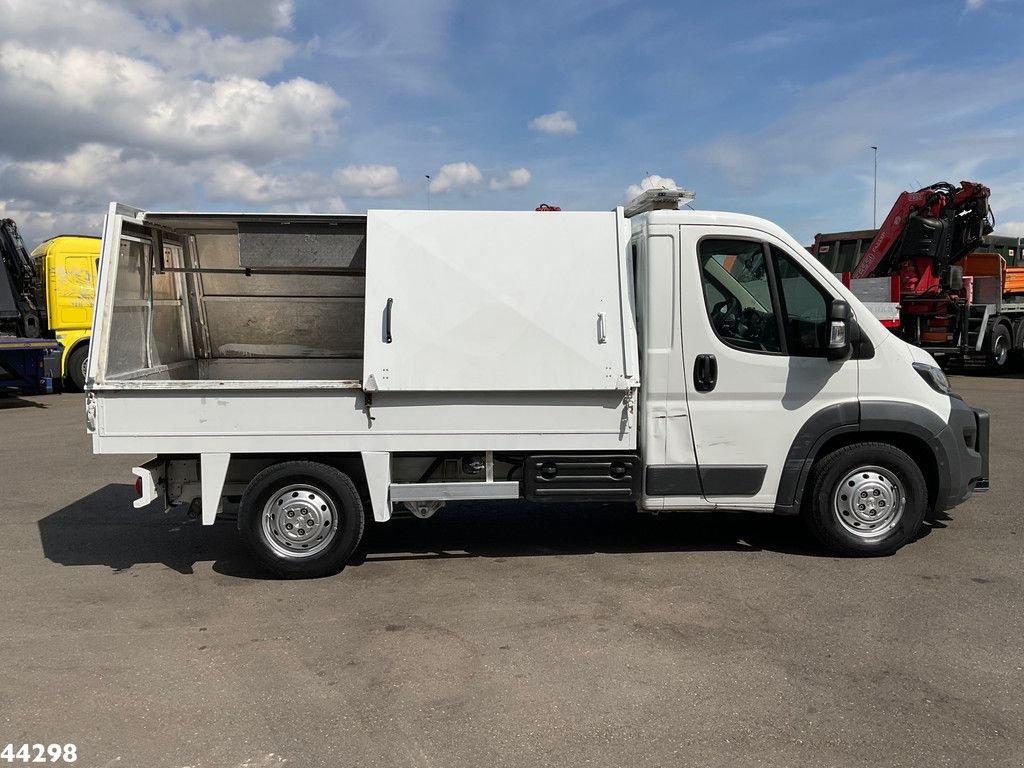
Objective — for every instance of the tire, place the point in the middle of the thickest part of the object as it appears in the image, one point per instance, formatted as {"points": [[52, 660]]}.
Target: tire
{"points": [[886, 479], [75, 368], [281, 502], [1000, 344]]}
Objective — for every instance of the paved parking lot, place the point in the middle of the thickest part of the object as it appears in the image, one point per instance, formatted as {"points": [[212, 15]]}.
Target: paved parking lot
{"points": [[494, 636]]}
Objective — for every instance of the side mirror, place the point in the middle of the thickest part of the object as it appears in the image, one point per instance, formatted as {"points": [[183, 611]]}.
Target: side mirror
{"points": [[839, 346]]}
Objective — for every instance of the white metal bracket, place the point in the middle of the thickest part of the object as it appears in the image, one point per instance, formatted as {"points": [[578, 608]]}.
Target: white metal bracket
{"points": [[213, 469], [377, 466]]}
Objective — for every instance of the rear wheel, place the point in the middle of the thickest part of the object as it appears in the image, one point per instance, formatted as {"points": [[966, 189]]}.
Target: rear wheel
{"points": [[301, 519], [74, 370], [866, 499], [1000, 345]]}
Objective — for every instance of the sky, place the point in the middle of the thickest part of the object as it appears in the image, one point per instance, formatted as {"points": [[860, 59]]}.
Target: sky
{"points": [[768, 108]]}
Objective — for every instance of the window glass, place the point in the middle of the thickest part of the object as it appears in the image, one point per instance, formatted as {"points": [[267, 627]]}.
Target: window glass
{"points": [[804, 308], [737, 294]]}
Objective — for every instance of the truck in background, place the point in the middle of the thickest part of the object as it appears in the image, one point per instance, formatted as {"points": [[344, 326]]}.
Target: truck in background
{"points": [[28, 359], [841, 251], [315, 365], [66, 266], [936, 277], [46, 304]]}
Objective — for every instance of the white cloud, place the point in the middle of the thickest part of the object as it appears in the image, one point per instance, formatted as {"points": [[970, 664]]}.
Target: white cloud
{"points": [[147, 101], [332, 204], [35, 226], [650, 182], [298, 192], [455, 176], [554, 123], [103, 25], [53, 99], [370, 181], [70, 185], [234, 180], [515, 179], [198, 52], [974, 5]]}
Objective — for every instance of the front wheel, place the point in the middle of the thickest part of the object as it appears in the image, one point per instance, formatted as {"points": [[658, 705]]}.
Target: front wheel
{"points": [[866, 499], [301, 519]]}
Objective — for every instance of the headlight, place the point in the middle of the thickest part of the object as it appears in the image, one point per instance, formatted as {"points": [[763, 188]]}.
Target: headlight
{"points": [[934, 376]]}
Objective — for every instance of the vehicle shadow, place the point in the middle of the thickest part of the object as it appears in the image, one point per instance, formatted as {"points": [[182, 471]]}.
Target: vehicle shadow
{"points": [[104, 529], [10, 399]]}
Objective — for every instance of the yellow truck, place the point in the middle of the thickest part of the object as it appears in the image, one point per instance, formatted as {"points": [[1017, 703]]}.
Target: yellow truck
{"points": [[66, 266]]}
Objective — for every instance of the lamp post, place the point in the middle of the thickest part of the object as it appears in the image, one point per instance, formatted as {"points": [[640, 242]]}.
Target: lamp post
{"points": [[428, 191], [874, 202]]}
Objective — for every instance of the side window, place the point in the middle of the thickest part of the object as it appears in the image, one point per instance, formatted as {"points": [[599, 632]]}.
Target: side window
{"points": [[737, 294], [804, 308]]}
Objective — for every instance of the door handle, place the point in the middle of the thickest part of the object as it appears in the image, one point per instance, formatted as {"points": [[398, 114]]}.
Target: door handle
{"points": [[387, 321], [705, 373]]}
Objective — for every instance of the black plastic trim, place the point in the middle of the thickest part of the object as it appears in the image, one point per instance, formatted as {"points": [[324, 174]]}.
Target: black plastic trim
{"points": [[826, 423], [863, 349], [673, 480], [714, 480], [732, 480], [981, 445], [582, 477]]}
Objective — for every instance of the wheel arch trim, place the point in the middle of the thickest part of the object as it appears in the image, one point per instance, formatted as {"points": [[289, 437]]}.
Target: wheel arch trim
{"points": [[899, 422]]}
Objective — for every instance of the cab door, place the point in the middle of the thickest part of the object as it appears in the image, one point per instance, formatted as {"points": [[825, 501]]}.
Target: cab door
{"points": [[756, 330]]}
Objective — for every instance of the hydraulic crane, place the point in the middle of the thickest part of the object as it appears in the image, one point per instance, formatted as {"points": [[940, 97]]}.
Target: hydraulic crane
{"points": [[927, 232], [22, 300], [27, 359], [960, 306]]}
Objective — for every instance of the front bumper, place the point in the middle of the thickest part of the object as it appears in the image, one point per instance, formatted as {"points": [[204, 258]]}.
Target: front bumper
{"points": [[963, 447]]}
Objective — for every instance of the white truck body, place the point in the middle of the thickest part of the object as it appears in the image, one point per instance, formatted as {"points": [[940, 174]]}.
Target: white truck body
{"points": [[402, 342]]}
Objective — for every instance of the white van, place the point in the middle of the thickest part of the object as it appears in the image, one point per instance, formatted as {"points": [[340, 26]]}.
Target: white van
{"points": [[316, 366]]}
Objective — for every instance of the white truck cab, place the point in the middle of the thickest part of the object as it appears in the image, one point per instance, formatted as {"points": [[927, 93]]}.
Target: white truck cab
{"points": [[314, 366]]}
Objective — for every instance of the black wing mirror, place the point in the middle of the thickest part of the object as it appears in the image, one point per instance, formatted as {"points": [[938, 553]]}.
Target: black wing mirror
{"points": [[840, 347]]}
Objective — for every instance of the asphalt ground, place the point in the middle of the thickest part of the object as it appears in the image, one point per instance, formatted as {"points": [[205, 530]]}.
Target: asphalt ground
{"points": [[503, 635]]}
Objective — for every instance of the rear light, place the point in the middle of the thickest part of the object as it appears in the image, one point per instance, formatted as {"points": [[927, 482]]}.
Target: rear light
{"points": [[138, 486]]}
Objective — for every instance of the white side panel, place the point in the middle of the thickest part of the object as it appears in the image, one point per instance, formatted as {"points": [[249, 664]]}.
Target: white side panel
{"points": [[274, 421], [483, 300], [377, 466]]}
